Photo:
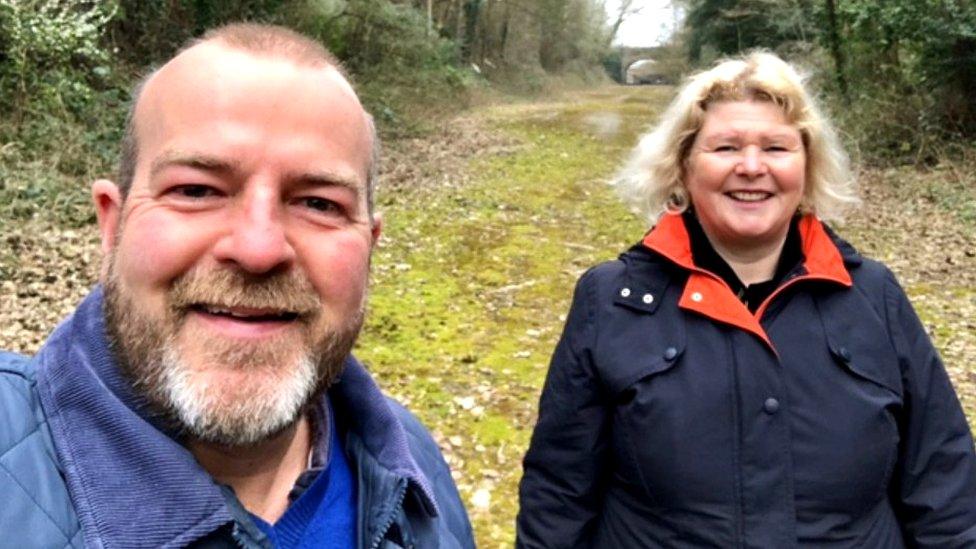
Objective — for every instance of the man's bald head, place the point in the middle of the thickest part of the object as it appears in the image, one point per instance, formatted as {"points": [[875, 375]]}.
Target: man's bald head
{"points": [[266, 41]]}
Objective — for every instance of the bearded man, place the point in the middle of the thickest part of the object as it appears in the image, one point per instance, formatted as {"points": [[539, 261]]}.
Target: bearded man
{"points": [[204, 395]]}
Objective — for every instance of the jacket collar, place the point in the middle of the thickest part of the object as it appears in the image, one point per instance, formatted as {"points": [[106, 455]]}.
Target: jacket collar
{"points": [[707, 294], [131, 484], [373, 426]]}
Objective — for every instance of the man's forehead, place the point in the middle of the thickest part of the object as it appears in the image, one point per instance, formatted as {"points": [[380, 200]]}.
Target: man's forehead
{"points": [[203, 67], [212, 78]]}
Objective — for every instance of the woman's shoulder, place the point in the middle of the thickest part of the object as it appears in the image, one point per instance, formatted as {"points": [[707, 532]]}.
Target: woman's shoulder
{"points": [[634, 258], [635, 279], [866, 273]]}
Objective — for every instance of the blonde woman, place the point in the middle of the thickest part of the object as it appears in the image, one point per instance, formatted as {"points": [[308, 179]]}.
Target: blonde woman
{"points": [[742, 377]]}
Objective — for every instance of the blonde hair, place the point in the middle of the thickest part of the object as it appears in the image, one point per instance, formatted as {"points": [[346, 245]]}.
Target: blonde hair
{"points": [[652, 180]]}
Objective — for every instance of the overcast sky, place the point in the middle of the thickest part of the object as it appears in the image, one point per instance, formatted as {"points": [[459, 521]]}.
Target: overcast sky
{"points": [[650, 27]]}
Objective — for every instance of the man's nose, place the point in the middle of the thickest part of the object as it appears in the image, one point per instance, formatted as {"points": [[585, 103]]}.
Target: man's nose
{"points": [[751, 163], [256, 240]]}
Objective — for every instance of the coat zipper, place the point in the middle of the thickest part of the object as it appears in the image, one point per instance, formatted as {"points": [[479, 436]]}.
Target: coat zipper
{"points": [[401, 493]]}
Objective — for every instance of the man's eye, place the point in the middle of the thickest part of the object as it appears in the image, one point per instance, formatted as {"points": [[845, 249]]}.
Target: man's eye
{"points": [[194, 191], [321, 204]]}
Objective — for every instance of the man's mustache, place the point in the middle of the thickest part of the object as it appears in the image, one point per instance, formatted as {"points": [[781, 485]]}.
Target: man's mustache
{"points": [[282, 292]]}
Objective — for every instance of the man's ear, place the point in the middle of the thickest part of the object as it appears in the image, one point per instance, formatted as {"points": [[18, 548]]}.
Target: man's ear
{"points": [[108, 208], [377, 227]]}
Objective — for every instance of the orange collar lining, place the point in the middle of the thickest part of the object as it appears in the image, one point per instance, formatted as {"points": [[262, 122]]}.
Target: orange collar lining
{"points": [[707, 294]]}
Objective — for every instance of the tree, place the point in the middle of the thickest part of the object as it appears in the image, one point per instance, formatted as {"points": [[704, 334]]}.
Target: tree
{"points": [[625, 10]]}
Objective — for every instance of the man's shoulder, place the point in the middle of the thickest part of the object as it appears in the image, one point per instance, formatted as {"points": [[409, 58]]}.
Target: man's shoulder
{"points": [[32, 486], [17, 365], [431, 461], [19, 406], [423, 448], [17, 375], [412, 425]]}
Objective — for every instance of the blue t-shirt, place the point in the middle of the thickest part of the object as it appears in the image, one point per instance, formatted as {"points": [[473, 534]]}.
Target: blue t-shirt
{"points": [[324, 515]]}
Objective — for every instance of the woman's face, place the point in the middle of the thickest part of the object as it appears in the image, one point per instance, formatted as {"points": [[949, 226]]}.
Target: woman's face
{"points": [[746, 174]]}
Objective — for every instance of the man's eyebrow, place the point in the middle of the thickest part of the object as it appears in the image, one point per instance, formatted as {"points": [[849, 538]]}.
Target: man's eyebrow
{"points": [[190, 160], [207, 163], [329, 179]]}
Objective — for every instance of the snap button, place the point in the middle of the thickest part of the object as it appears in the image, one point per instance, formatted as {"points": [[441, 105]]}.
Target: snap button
{"points": [[696, 297], [844, 354], [670, 353], [648, 298], [771, 406], [625, 292]]}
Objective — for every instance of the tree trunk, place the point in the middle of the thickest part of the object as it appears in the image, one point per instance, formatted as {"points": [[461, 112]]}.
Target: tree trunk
{"points": [[833, 40], [472, 9]]}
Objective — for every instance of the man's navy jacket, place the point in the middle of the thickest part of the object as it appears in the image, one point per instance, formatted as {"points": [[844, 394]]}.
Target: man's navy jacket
{"points": [[80, 467]]}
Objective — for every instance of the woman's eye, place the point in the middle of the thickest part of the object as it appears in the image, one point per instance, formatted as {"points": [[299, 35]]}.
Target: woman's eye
{"points": [[776, 148], [725, 148]]}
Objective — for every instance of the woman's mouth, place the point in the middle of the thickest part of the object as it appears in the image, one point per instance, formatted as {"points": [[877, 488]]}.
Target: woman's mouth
{"points": [[749, 196]]}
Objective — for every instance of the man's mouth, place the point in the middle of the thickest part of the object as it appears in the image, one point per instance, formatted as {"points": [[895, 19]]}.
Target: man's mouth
{"points": [[749, 196], [246, 314]]}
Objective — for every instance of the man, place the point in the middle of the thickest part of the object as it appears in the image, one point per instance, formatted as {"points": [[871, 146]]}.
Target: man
{"points": [[204, 394]]}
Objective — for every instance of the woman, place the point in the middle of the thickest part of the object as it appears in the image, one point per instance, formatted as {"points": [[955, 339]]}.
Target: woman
{"points": [[742, 377]]}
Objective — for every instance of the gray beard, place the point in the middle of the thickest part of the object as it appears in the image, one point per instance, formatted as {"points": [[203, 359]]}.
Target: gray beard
{"points": [[176, 390]]}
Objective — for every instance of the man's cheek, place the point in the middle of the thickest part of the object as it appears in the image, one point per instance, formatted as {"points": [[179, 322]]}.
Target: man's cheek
{"points": [[153, 255], [340, 269]]}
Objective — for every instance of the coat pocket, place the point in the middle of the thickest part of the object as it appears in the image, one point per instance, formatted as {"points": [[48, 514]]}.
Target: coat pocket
{"points": [[633, 345], [868, 357]]}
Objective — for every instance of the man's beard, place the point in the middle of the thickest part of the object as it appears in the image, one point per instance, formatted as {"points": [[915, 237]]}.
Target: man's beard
{"points": [[274, 380]]}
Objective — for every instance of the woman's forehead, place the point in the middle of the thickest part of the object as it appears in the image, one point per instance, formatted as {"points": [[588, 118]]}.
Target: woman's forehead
{"points": [[744, 115]]}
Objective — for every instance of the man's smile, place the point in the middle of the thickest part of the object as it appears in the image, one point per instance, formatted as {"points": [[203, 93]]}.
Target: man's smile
{"points": [[242, 322], [247, 314]]}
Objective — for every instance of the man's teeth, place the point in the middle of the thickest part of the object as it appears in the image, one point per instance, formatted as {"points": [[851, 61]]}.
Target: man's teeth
{"points": [[750, 196], [228, 312]]}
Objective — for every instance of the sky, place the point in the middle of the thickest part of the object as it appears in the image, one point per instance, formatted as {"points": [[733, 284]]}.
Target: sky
{"points": [[650, 27]]}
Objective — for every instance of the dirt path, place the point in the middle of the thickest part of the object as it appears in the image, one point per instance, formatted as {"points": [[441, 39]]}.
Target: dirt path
{"points": [[488, 224]]}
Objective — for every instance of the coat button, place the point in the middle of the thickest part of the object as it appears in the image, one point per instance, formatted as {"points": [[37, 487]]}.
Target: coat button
{"points": [[844, 354], [625, 292], [771, 406], [648, 299], [670, 353]]}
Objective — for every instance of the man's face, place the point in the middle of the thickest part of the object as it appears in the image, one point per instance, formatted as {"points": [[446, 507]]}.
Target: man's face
{"points": [[238, 262]]}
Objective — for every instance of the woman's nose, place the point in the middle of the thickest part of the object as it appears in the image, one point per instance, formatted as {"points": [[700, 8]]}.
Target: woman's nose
{"points": [[751, 164]]}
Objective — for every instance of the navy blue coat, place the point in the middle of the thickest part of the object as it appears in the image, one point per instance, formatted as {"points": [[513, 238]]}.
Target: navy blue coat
{"points": [[673, 417]]}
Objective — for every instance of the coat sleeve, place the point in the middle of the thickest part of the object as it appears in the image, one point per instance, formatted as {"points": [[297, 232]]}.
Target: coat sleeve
{"points": [[564, 470], [935, 478]]}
